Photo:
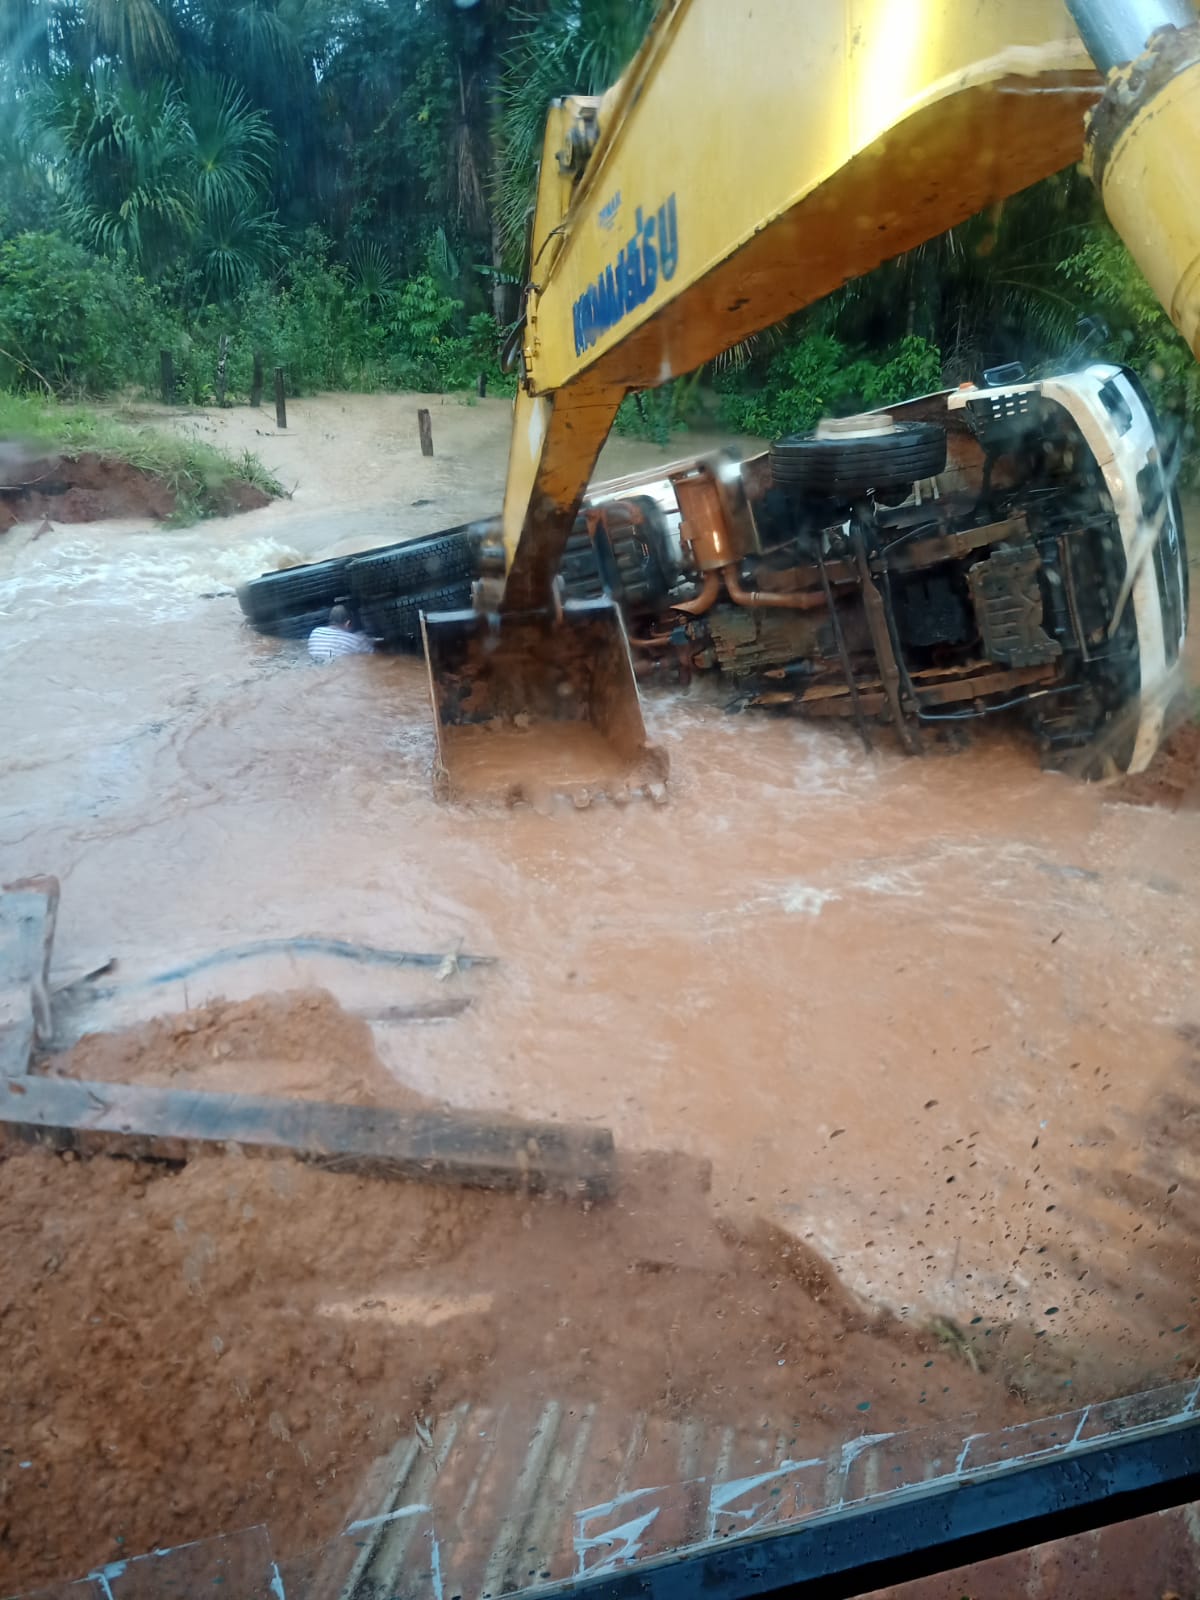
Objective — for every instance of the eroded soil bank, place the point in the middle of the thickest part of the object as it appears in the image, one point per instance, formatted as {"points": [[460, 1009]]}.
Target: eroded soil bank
{"points": [[94, 488]]}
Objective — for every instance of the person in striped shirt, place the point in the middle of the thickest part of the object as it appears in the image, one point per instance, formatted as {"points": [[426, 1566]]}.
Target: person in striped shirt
{"points": [[338, 638]]}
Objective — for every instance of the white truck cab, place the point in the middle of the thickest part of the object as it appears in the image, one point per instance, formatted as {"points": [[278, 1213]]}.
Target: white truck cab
{"points": [[1112, 413]]}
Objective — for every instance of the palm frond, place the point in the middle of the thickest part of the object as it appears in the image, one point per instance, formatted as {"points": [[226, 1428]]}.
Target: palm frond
{"points": [[372, 274], [232, 245], [756, 346], [256, 41], [266, 34], [136, 31], [570, 47], [442, 261], [230, 144]]}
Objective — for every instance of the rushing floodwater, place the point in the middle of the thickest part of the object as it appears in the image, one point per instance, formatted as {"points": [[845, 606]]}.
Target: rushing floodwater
{"points": [[932, 1015]]}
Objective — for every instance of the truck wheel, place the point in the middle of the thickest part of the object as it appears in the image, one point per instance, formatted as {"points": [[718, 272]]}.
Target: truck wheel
{"points": [[402, 569], [846, 458], [293, 590], [624, 560], [580, 566], [636, 542], [397, 621]]}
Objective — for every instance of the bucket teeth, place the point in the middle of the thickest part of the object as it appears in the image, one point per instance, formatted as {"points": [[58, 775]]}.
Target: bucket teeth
{"points": [[534, 703]]}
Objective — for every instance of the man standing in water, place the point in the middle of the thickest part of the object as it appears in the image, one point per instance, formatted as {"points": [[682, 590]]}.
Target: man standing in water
{"points": [[338, 638]]}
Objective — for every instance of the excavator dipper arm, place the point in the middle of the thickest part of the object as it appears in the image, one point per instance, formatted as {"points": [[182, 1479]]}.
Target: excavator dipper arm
{"points": [[756, 155]]}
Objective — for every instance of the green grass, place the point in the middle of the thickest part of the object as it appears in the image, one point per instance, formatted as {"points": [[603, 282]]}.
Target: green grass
{"points": [[194, 471]]}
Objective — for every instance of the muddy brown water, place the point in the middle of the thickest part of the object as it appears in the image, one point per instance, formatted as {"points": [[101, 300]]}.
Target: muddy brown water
{"points": [[934, 1018]]}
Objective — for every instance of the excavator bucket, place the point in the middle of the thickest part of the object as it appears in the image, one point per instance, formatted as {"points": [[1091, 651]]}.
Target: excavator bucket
{"points": [[533, 704]]}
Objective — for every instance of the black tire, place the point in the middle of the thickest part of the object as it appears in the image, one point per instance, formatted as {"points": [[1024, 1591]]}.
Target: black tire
{"points": [[580, 566], [623, 561], [403, 569], [636, 545], [842, 468], [397, 621], [297, 625], [294, 590]]}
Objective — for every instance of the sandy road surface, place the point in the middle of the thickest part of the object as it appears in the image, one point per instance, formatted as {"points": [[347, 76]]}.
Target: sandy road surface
{"points": [[937, 1018]]}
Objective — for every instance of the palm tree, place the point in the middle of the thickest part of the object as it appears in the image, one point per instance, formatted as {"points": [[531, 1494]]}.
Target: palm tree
{"points": [[123, 167], [230, 150], [230, 144], [570, 47], [274, 50], [231, 246], [162, 174]]}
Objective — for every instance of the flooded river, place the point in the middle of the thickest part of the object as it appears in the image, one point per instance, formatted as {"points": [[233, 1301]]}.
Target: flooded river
{"points": [[936, 1017]]}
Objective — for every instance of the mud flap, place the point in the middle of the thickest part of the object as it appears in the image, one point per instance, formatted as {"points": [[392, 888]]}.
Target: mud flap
{"points": [[533, 703]]}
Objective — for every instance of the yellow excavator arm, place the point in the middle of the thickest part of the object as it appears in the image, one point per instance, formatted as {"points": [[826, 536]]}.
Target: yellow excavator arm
{"points": [[759, 153]]}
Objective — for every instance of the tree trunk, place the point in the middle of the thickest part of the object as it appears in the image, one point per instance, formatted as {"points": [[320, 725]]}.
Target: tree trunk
{"points": [[505, 296]]}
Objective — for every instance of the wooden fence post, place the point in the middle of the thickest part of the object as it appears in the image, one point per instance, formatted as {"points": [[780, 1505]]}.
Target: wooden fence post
{"points": [[256, 383], [222, 367], [280, 402], [426, 429], [166, 364], [483, 385]]}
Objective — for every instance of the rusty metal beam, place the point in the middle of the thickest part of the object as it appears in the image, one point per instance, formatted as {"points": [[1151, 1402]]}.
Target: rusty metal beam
{"points": [[428, 1146], [881, 639]]}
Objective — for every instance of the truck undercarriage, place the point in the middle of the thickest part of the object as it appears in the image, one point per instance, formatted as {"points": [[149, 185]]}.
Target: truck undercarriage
{"points": [[962, 554]]}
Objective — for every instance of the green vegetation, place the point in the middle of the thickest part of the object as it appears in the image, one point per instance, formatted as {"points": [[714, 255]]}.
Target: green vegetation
{"points": [[1142, 334], [344, 187], [815, 375], [71, 322], [196, 473]]}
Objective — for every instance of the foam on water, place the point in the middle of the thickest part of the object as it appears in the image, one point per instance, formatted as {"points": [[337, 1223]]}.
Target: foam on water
{"points": [[163, 575]]}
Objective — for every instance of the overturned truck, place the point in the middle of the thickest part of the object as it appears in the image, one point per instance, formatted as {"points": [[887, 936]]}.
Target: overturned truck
{"points": [[1008, 545]]}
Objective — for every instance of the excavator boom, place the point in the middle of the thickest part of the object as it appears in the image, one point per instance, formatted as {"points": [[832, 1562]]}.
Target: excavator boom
{"points": [[756, 155]]}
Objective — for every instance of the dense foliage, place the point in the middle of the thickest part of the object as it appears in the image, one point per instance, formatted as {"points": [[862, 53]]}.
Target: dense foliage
{"points": [[344, 186], [1140, 333]]}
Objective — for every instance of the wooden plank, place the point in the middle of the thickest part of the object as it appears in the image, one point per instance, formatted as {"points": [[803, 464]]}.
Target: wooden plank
{"points": [[425, 429], [429, 1146], [28, 912], [222, 367]]}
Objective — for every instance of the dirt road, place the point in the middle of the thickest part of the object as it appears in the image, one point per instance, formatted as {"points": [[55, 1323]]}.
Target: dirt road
{"points": [[937, 1018]]}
